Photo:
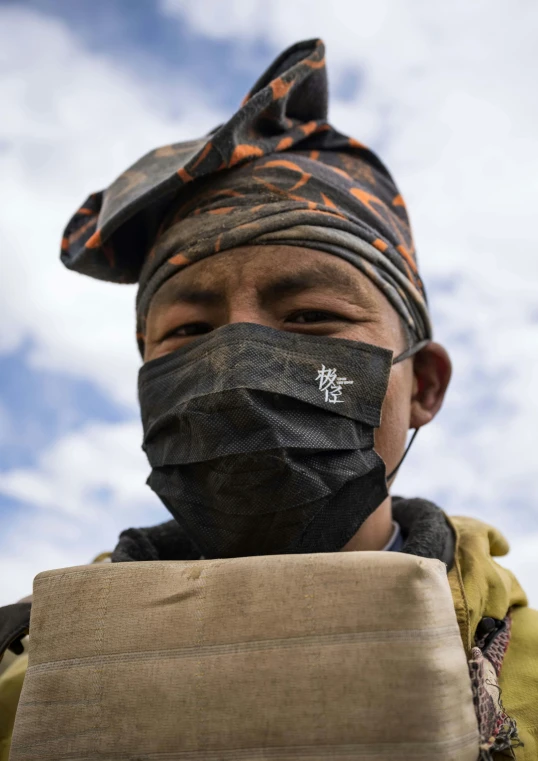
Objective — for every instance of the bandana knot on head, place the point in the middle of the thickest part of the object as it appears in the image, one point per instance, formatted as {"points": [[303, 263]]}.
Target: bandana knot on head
{"points": [[275, 173]]}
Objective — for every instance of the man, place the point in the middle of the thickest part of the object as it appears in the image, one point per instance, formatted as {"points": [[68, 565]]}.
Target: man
{"points": [[272, 257]]}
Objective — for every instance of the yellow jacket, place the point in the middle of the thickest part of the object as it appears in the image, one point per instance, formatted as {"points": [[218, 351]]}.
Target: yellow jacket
{"points": [[480, 587]]}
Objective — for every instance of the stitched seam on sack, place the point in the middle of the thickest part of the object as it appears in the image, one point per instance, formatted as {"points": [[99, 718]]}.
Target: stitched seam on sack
{"points": [[50, 577], [46, 577], [236, 648], [99, 641], [282, 753], [67, 736]]}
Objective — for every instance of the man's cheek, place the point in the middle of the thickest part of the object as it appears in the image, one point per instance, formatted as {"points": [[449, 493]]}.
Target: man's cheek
{"points": [[390, 437]]}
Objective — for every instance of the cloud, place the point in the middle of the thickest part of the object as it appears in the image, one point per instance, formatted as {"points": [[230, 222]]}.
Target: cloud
{"points": [[71, 121], [38, 406], [84, 490]]}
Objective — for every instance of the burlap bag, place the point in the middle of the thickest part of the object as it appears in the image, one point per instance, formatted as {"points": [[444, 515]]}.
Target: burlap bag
{"points": [[352, 655]]}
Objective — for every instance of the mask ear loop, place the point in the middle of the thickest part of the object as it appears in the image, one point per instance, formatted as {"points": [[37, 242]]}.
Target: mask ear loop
{"points": [[408, 447], [414, 349]]}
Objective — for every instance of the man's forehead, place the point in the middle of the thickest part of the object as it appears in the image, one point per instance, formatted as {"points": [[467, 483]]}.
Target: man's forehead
{"points": [[283, 268]]}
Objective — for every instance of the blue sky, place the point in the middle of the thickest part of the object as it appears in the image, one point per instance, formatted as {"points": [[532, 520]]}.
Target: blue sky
{"points": [[88, 87]]}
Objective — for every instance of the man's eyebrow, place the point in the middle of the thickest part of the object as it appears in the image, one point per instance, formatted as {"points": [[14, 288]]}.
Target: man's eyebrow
{"points": [[324, 276], [189, 294], [328, 277]]}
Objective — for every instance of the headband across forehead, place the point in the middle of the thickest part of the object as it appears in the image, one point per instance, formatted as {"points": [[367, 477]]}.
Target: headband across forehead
{"points": [[276, 172]]}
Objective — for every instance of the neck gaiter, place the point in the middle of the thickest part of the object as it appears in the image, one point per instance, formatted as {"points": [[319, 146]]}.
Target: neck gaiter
{"points": [[262, 442]]}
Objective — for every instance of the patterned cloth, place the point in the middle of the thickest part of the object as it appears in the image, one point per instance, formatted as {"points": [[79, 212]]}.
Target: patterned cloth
{"points": [[276, 172], [498, 731]]}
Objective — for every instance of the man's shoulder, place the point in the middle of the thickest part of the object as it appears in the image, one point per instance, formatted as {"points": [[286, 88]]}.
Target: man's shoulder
{"points": [[490, 588], [11, 681]]}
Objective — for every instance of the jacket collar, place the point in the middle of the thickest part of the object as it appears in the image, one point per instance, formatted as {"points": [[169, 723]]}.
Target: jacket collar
{"points": [[480, 586]]}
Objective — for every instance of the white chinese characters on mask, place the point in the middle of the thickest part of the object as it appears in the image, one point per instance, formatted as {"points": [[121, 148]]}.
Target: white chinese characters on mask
{"points": [[331, 385]]}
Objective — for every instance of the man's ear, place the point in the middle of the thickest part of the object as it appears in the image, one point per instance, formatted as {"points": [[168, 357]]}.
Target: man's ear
{"points": [[432, 369]]}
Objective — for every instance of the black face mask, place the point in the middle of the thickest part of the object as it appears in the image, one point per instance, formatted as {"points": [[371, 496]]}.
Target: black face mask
{"points": [[262, 442]]}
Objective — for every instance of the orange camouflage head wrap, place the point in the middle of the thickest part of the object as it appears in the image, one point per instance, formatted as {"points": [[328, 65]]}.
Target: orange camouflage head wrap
{"points": [[276, 172]]}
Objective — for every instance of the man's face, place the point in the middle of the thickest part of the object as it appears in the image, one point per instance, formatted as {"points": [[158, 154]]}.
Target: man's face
{"points": [[294, 289]]}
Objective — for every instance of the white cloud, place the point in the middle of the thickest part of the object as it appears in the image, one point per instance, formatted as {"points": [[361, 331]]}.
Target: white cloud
{"points": [[71, 121], [83, 492], [98, 457]]}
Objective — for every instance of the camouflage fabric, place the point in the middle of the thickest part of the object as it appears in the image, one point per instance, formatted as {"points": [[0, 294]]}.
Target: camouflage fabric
{"points": [[276, 172]]}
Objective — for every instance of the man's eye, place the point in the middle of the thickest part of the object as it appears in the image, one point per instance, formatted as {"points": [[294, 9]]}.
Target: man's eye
{"points": [[190, 329], [313, 316]]}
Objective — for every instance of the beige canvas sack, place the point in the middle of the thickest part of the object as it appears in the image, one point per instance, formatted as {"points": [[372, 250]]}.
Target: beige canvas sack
{"points": [[352, 655]]}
